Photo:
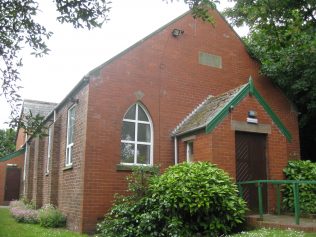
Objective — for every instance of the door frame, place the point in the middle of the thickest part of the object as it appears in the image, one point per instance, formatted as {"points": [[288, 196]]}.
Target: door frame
{"points": [[14, 167], [251, 188]]}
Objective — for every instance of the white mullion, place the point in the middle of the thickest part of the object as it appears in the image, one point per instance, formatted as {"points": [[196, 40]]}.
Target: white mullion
{"points": [[128, 141], [134, 121], [133, 142], [144, 143], [48, 148], [129, 120], [144, 122], [136, 134]]}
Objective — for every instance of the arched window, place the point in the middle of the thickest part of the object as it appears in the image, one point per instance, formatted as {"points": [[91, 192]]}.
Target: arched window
{"points": [[137, 137]]}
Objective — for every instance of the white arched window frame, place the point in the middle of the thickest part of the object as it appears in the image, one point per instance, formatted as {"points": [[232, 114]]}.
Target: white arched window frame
{"points": [[137, 137]]}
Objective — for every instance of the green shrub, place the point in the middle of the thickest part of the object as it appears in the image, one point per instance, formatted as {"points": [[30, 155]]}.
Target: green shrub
{"points": [[189, 199], [300, 170], [51, 217]]}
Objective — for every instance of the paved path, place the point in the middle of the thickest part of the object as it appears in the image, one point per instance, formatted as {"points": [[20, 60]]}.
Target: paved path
{"points": [[282, 222]]}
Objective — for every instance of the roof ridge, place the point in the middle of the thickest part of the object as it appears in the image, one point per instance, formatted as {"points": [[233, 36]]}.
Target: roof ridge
{"points": [[38, 101], [192, 113]]}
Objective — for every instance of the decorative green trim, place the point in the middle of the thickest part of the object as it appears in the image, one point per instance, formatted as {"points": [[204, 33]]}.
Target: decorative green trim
{"points": [[224, 111], [273, 116], [248, 89], [13, 155], [251, 86]]}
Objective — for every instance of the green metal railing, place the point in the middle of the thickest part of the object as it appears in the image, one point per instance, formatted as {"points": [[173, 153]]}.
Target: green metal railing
{"points": [[295, 184]]}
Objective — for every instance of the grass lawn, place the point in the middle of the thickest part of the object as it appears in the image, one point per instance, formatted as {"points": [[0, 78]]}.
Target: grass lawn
{"points": [[274, 233], [10, 228]]}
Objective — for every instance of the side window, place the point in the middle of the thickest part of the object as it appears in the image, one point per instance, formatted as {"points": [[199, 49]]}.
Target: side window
{"points": [[137, 137], [70, 135], [190, 151], [49, 141]]}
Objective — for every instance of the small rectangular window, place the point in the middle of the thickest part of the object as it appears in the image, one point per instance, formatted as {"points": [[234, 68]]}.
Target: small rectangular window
{"points": [[190, 151], [48, 148], [210, 60], [70, 135]]}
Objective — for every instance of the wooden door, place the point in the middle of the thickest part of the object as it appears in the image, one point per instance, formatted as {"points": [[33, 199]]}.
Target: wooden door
{"points": [[251, 165], [12, 184]]}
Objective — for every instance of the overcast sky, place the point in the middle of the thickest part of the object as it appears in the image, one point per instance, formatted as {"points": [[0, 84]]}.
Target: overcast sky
{"points": [[75, 52]]}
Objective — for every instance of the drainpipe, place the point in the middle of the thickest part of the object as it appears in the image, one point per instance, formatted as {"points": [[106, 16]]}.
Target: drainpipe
{"points": [[175, 150]]}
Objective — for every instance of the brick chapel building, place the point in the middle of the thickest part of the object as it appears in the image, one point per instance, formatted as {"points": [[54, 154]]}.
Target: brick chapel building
{"points": [[181, 94]]}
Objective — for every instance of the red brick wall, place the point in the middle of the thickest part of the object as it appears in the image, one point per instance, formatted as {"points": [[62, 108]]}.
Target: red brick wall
{"points": [[70, 181], [166, 71], [61, 187], [164, 74], [50, 179], [37, 191], [222, 144], [29, 170], [20, 139]]}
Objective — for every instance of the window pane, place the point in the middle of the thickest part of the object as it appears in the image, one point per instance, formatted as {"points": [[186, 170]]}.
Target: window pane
{"points": [[131, 113], [68, 155], [143, 133], [127, 152], [190, 153], [142, 115], [70, 135], [71, 123], [128, 131], [143, 154]]}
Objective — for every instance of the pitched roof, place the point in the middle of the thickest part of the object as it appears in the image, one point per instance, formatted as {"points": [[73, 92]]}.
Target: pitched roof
{"points": [[206, 111], [38, 107], [214, 109]]}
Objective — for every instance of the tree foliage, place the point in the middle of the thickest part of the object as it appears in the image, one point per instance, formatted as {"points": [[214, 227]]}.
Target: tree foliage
{"points": [[7, 141], [19, 29], [283, 38]]}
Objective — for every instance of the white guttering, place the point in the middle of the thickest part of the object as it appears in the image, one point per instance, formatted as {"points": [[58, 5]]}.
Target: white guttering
{"points": [[175, 150]]}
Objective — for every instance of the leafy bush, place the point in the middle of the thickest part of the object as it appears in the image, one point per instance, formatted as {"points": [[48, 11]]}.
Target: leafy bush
{"points": [[51, 217], [300, 170], [23, 213], [28, 203], [189, 199]]}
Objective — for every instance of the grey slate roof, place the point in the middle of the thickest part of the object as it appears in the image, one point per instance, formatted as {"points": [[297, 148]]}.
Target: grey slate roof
{"points": [[38, 107], [206, 111]]}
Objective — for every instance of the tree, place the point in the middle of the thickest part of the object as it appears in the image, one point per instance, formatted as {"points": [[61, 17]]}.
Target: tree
{"points": [[7, 141], [19, 29], [283, 38]]}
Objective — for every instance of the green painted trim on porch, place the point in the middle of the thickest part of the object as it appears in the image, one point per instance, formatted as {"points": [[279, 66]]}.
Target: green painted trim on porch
{"points": [[224, 111], [248, 89], [13, 155], [274, 117]]}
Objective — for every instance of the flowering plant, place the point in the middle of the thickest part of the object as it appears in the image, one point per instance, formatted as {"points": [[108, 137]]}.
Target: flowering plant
{"points": [[22, 213]]}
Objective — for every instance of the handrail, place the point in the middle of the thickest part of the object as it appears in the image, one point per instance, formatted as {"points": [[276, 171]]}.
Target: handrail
{"points": [[295, 185]]}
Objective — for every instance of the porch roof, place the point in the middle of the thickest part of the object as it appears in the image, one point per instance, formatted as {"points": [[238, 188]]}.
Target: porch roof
{"points": [[206, 111], [215, 108], [13, 155]]}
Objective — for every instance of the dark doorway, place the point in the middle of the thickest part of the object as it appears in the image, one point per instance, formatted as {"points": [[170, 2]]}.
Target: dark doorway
{"points": [[251, 165], [12, 184]]}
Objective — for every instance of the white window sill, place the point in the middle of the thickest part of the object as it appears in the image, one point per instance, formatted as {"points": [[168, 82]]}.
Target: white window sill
{"points": [[68, 167], [129, 167]]}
